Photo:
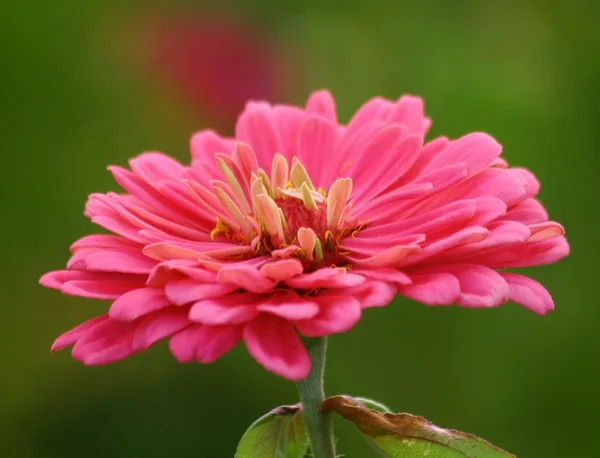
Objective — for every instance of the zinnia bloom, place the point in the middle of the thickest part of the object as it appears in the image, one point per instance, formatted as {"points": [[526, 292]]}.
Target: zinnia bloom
{"points": [[296, 226], [216, 61]]}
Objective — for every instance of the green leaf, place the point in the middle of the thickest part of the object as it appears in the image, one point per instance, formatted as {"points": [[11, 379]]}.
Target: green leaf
{"points": [[278, 434], [407, 436]]}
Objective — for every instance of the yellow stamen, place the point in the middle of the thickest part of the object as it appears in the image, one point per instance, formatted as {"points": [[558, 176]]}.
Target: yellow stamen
{"points": [[220, 228], [329, 243]]}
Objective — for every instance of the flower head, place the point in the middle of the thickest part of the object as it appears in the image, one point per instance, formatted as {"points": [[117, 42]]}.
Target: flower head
{"points": [[295, 227], [205, 56]]}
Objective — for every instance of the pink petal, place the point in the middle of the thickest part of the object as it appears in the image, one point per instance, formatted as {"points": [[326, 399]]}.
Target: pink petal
{"points": [[377, 152], [501, 234], [372, 109], [529, 211], [391, 202], [409, 112], [327, 277], [387, 258], [322, 103], [289, 306], [126, 261], [282, 270], [227, 310], [488, 209], [528, 179], [206, 143], [92, 284], [426, 155], [285, 252], [373, 293], [476, 151], [175, 269], [217, 341], [479, 285], [432, 288], [339, 313], [545, 231], [274, 344], [135, 185], [105, 342], [317, 138], [288, 120], [102, 241], [186, 290], [137, 303], [183, 344], [499, 162], [256, 127], [461, 237], [204, 344], [381, 174], [156, 167], [492, 182], [529, 293], [246, 278], [116, 224], [393, 276], [525, 255], [158, 326], [110, 354], [70, 337], [373, 244], [451, 215]]}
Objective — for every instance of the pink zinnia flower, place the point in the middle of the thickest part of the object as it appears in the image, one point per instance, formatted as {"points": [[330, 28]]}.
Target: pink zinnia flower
{"points": [[216, 61], [295, 227]]}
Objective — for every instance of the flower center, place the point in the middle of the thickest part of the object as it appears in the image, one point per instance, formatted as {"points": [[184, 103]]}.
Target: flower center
{"points": [[283, 215]]}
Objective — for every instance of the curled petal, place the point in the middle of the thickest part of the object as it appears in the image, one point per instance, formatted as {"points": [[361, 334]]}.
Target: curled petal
{"points": [[227, 310], [339, 313], [432, 288], [282, 270], [137, 303], [158, 326], [274, 344], [290, 306], [246, 278]]}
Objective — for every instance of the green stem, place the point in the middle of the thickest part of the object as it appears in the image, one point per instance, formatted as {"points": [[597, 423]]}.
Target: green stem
{"points": [[319, 426]]}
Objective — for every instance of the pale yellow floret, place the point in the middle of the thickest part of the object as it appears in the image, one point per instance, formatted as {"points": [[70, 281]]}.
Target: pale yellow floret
{"points": [[265, 181], [235, 185], [270, 216], [307, 198], [299, 175], [279, 174], [318, 250], [339, 192], [307, 240], [232, 209]]}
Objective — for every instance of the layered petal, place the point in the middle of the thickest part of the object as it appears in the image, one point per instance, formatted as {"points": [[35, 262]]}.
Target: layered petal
{"points": [[274, 344], [295, 226]]}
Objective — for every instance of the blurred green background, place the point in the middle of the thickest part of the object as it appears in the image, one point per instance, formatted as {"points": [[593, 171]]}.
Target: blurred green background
{"points": [[78, 93]]}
